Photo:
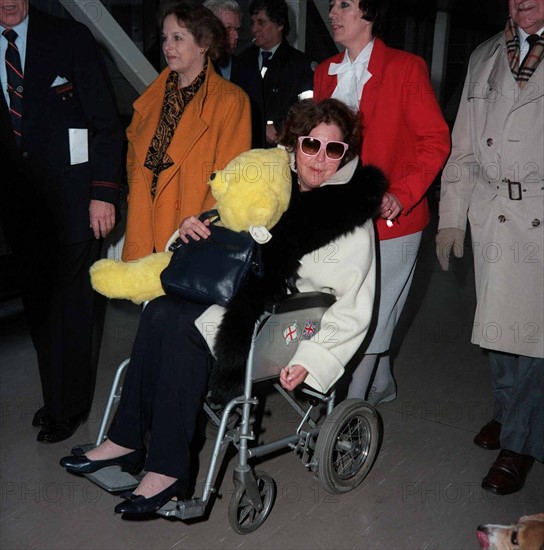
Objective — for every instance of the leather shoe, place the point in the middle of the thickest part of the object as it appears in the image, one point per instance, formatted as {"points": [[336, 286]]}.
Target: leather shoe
{"points": [[507, 474], [55, 431], [489, 437], [79, 464], [138, 504], [42, 417]]}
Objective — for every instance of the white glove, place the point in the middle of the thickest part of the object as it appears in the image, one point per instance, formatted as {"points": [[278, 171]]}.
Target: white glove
{"points": [[446, 239]]}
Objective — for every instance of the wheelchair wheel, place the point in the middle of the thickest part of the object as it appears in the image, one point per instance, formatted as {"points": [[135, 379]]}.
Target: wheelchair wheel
{"points": [[347, 445], [244, 518]]}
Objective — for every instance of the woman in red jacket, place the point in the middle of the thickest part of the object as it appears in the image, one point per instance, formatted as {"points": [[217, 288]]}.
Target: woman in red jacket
{"points": [[404, 134]]}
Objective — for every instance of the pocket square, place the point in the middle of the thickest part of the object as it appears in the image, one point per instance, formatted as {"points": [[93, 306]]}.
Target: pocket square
{"points": [[63, 89], [59, 81]]}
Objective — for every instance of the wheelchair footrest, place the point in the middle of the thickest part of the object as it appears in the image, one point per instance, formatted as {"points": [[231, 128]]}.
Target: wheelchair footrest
{"points": [[183, 509], [112, 479]]}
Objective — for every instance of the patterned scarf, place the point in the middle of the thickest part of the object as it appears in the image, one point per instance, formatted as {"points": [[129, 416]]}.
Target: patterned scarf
{"points": [[173, 106], [522, 74]]}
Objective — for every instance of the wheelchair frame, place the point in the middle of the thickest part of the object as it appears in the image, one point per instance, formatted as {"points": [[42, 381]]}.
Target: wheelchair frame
{"points": [[340, 452]]}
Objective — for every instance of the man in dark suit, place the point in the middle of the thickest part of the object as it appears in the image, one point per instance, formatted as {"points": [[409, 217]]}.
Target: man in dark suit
{"points": [[287, 73], [230, 68], [63, 142], [230, 14]]}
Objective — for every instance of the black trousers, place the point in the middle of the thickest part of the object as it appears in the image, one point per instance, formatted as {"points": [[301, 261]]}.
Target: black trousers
{"points": [[59, 305], [165, 386]]}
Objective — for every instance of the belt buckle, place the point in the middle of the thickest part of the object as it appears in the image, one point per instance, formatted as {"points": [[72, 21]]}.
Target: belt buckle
{"points": [[514, 190]]}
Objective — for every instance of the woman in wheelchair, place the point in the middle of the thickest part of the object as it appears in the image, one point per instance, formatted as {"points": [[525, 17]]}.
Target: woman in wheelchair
{"points": [[324, 242]]}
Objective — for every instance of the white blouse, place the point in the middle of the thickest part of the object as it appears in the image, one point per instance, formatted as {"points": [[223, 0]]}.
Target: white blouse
{"points": [[352, 76]]}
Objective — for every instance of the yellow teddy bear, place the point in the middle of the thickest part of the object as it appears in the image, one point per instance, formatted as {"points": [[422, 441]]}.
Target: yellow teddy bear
{"points": [[252, 192]]}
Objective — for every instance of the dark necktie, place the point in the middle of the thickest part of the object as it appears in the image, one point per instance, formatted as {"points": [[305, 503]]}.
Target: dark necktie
{"points": [[266, 58], [15, 84], [531, 40]]}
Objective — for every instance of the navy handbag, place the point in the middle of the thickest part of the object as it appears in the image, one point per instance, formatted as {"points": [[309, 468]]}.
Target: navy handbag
{"points": [[211, 271]]}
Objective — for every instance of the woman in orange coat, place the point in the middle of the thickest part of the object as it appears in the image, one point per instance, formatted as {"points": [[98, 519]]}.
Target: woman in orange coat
{"points": [[187, 124], [405, 135]]}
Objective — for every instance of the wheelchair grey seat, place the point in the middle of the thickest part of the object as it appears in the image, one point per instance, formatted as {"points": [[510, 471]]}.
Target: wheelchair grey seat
{"points": [[283, 325]]}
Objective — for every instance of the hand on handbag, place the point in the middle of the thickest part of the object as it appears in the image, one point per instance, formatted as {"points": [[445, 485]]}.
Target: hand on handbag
{"points": [[211, 270], [194, 228], [446, 239]]}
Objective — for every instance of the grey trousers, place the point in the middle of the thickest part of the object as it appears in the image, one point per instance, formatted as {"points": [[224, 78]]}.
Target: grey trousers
{"points": [[518, 389]]}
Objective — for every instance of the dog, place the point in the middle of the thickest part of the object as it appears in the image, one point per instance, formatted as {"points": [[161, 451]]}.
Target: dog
{"points": [[526, 534]]}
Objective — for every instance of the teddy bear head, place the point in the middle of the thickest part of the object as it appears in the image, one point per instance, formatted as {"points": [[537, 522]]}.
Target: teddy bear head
{"points": [[253, 190]]}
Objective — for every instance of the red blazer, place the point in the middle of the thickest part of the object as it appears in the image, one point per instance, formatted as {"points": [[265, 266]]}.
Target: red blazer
{"points": [[404, 132]]}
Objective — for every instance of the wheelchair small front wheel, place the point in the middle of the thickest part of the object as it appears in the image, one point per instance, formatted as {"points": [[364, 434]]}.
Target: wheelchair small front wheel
{"points": [[347, 445], [244, 517]]}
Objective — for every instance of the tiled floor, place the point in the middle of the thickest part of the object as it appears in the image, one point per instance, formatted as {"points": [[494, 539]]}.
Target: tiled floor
{"points": [[423, 491]]}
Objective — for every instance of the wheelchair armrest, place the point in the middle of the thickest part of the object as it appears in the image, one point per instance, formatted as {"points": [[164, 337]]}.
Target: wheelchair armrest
{"points": [[301, 300]]}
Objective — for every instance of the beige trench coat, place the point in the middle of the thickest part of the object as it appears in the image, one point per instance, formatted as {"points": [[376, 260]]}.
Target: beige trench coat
{"points": [[499, 136]]}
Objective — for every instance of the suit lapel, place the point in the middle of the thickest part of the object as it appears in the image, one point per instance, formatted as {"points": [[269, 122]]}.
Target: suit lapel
{"points": [[501, 81], [371, 89], [330, 82], [38, 67], [193, 127], [4, 111], [534, 88], [275, 64], [6, 132], [184, 141], [272, 75]]}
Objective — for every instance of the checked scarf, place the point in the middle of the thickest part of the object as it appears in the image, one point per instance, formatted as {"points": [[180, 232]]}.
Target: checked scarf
{"points": [[522, 74]]}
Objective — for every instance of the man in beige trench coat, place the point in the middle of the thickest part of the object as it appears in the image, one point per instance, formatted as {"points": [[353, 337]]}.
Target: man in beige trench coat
{"points": [[495, 178]]}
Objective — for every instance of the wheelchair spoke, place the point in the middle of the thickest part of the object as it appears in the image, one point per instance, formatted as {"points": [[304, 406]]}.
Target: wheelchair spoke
{"points": [[347, 445], [350, 448], [244, 517], [247, 513]]}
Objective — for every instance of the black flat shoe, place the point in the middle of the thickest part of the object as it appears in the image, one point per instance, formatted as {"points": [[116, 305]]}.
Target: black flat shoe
{"points": [[42, 417], [138, 504], [55, 431], [77, 450], [132, 463]]}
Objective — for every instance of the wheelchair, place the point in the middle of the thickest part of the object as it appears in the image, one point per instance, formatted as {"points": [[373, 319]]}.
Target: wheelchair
{"points": [[339, 448]]}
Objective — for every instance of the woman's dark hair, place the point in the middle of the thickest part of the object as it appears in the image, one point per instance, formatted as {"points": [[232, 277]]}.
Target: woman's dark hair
{"points": [[206, 28], [275, 10], [305, 115], [374, 11]]}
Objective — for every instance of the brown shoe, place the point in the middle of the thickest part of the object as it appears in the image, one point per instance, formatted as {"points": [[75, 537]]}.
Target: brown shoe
{"points": [[489, 436], [507, 474]]}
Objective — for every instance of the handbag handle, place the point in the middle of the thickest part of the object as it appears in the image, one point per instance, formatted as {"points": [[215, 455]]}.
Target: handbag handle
{"points": [[208, 214], [257, 264], [174, 244]]}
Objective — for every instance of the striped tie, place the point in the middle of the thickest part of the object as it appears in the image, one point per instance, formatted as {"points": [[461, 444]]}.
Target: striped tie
{"points": [[15, 84]]}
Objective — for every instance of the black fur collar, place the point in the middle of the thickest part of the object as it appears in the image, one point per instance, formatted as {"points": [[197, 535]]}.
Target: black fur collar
{"points": [[316, 218], [313, 219]]}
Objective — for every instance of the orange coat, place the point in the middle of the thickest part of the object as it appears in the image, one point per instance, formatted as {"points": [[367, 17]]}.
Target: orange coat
{"points": [[215, 128]]}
